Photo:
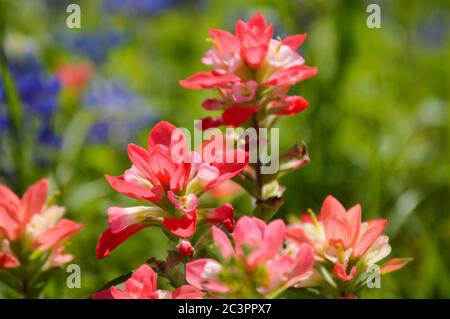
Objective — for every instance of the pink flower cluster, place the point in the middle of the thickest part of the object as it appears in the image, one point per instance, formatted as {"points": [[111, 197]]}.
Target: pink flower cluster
{"points": [[143, 285], [34, 225], [260, 263], [343, 243], [171, 178], [252, 72]]}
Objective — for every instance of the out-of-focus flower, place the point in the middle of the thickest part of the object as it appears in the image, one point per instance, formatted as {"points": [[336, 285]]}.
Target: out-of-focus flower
{"points": [[143, 285], [432, 31], [39, 94], [37, 225], [75, 76], [344, 245], [37, 89], [120, 114], [252, 73], [137, 7], [261, 263], [171, 177], [225, 190], [94, 45]]}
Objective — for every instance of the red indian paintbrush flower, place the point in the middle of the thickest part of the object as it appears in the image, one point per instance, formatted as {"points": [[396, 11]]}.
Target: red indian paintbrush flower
{"points": [[172, 178], [345, 243], [252, 72], [259, 264], [39, 226], [143, 285]]}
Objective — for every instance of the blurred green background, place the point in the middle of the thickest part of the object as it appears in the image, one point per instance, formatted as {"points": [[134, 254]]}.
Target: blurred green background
{"points": [[377, 127]]}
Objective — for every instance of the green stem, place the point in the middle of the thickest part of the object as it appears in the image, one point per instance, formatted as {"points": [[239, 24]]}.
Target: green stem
{"points": [[14, 107]]}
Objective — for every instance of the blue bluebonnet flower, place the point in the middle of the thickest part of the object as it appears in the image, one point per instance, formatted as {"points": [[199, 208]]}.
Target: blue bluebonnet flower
{"points": [[39, 95], [137, 7], [120, 113], [4, 120], [433, 30], [47, 136], [95, 45]]}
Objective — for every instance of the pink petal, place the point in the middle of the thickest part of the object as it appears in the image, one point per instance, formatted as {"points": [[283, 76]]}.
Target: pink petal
{"points": [[144, 275], [213, 104], [304, 262], [297, 235], [210, 122], [290, 76], [119, 294], [229, 168], [373, 231], [222, 241], [294, 41], [292, 105], [9, 225], [103, 294], [9, 214], [237, 115], [222, 215], [340, 272], [161, 133], [272, 242], [338, 231], [207, 80], [54, 236], [182, 226], [108, 241], [393, 265], [58, 258], [187, 292], [33, 201], [195, 276], [120, 218], [226, 40], [132, 190], [8, 260], [186, 203], [247, 233], [354, 219], [141, 160], [332, 207], [257, 21], [7, 196]]}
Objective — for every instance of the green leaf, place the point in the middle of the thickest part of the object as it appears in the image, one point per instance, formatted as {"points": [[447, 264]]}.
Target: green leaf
{"points": [[13, 102], [7, 278]]}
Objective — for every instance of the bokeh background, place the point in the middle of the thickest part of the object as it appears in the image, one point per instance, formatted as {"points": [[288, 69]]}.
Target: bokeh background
{"points": [[377, 129]]}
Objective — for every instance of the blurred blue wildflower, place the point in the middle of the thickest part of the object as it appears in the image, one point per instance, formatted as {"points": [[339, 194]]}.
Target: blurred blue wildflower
{"points": [[46, 136], [39, 96], [433, 31], [38, 91], [137, 7], [94, 45], [120, 114]]}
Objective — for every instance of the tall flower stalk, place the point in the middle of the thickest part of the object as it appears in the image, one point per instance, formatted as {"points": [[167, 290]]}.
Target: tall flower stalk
{"points": [[259, 257], [252, 73]]}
